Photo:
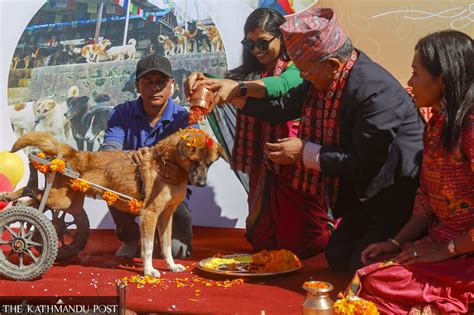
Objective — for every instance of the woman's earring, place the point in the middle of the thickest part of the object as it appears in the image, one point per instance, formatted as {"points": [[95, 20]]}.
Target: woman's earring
{"points": [[284, 53]]}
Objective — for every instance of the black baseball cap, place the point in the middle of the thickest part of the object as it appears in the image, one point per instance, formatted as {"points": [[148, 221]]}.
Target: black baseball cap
{"points": [[153, 63]]}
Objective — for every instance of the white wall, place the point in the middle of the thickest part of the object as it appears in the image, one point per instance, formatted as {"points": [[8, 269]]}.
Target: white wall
{"points": [[223, 202]]}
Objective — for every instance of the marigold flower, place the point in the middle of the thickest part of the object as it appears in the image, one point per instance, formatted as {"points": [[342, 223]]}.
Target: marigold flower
{"points": [[353, 305], [110, 197], [135, 205], [78, 184], [43, 168], [57, 165]]}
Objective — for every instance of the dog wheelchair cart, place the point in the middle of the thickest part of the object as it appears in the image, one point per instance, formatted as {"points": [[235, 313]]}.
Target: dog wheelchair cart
{"points": [[31, 239]]}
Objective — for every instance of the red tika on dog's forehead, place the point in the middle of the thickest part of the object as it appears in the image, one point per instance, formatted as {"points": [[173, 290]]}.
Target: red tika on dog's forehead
{"points": [[193, 136]]}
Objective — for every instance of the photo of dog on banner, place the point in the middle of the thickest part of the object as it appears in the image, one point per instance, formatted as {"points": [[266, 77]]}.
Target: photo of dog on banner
{"points": [[79, 110]]}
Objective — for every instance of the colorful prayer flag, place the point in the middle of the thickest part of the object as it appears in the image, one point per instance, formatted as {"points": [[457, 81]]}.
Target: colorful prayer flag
{"points": [[283, 6]]}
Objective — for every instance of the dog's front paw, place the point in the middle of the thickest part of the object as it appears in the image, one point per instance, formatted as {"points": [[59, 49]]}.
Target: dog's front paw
{"points": [[152, 272], [177, 268]]}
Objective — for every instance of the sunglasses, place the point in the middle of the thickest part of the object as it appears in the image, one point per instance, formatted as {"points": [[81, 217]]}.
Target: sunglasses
{"points": [[261, 44]]}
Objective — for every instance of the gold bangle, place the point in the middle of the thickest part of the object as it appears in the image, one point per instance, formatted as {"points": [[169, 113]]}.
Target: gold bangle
{"points": [[394, 242]]}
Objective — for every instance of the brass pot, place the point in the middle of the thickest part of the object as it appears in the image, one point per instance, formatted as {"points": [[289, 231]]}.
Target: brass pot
{"points": [[317, 301]]}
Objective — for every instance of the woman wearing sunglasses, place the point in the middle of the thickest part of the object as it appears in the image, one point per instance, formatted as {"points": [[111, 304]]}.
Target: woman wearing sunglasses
{"points": [[279, 216]]}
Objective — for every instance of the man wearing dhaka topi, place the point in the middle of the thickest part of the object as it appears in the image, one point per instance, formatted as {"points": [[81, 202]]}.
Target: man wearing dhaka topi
{"points": [[359, 143]]}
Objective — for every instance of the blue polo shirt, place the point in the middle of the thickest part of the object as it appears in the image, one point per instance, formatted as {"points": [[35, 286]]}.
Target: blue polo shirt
{"points": [[129, 128]]}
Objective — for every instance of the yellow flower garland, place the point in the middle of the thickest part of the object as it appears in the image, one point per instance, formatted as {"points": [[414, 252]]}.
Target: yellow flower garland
{"points": [[57, 165], [109, 197], [81, 185], [78, 184], [43, 168], [135, 205]]}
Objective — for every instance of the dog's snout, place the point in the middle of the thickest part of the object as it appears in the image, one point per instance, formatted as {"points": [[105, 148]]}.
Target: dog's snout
{"points": [[198, 181], [201, 183]]}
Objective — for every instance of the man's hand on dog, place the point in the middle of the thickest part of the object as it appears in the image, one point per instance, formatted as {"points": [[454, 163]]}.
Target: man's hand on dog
{"points": [[166, 170], [138, 155]]}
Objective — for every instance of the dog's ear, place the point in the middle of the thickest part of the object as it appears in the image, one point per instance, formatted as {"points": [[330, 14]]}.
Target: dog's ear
{"points": [[222, 153], [35, 105], [51, 104]]}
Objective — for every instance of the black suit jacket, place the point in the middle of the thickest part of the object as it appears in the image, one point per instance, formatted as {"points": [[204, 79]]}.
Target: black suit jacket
{"points": [[381, 135]]}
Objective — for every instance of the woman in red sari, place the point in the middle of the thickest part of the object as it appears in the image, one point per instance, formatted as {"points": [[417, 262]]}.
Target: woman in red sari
{"points": [[434, 271]]}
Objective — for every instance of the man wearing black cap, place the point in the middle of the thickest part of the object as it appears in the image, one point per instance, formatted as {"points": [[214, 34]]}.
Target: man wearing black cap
{"points": [[142, 123]]}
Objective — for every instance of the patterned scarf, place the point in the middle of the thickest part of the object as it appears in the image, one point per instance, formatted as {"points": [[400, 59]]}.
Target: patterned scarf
{"points": [[320, 124], [251, 135]]}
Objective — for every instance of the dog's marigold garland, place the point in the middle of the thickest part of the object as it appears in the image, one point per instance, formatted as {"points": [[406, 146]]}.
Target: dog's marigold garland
{"points": [[135, 205], [43, 168], [57, 165], [77, 184], [109, 197]]}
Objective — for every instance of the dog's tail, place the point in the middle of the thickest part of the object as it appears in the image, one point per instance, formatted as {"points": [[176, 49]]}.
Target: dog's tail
{"points": [[44, 141]]}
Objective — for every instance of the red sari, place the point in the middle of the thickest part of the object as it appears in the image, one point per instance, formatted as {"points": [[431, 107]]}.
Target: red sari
{"points": [[280, 216], [293, 210], [446, 197]]}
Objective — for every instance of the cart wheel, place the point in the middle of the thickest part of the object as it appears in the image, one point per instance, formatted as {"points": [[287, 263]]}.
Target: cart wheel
{"points": [[28, 243], [72, 230]]}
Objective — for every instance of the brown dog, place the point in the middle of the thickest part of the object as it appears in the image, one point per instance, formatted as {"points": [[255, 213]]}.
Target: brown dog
{"points": [[160, 180]]}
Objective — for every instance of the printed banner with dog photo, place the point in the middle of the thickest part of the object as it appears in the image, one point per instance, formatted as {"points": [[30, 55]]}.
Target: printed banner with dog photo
{"points": [[89, 69], [67, 71]]}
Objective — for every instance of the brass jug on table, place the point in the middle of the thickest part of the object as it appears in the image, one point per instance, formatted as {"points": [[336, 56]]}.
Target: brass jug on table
{"points": [[317, 301]]}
